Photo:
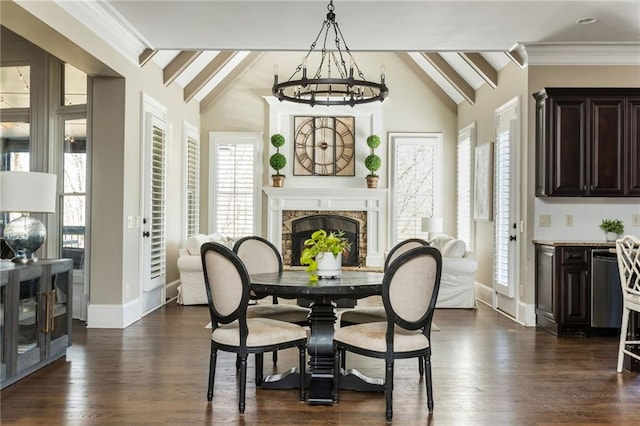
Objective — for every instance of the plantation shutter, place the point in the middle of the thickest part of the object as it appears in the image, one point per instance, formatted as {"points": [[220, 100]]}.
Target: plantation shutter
{"points": [[235, 189], [193, 186], [463, 189], [158, 162]]}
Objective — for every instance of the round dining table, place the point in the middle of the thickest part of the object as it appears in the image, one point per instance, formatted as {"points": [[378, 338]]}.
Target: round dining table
{"points": [[323, 293]]}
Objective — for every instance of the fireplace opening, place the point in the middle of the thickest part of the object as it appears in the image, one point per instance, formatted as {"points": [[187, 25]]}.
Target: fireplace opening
{"points": [[301, 230]]}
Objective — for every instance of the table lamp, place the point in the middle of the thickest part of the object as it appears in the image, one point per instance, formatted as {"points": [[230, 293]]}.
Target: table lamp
{"points": [[431, 225], [26, 192]]}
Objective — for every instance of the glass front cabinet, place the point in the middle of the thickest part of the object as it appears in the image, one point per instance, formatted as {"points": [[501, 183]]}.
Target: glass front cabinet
{"points": [[35, 315]]}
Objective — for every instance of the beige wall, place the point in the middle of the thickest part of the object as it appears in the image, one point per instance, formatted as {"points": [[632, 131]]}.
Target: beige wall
{"points": [[115, 269], [511, 83], [410, 107]]}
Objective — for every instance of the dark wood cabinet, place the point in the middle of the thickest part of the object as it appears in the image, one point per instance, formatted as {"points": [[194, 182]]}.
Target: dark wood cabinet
{"points": [[587, 142], [563, 289]]}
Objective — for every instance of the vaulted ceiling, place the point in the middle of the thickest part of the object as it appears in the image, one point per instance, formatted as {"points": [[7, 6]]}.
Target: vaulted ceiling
{"points": [[204, 45]]}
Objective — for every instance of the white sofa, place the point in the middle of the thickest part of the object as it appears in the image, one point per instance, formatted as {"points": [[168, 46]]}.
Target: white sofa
{"points": [[458, 273], [191, 290]]}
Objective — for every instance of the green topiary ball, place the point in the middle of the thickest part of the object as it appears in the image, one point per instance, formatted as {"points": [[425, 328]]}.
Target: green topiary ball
{"points": [[278, 161], [372, 163], [373, 141], [277, 140]]}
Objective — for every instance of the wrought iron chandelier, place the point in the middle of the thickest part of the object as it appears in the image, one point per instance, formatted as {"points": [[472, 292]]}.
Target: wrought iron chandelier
{"points": [[340, 89]]}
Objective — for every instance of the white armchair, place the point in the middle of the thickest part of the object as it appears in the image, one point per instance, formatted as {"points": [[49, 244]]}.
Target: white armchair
{"points": [[458, 273], [192, 290]]}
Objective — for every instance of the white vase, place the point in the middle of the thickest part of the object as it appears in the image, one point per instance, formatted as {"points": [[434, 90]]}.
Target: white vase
{"points": [[612, 236], [329, 266]]}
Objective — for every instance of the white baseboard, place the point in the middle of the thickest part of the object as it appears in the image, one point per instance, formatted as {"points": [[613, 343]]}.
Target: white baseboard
{"points": [[113, 316], [171, 290], [484, 293], [526, 312]]}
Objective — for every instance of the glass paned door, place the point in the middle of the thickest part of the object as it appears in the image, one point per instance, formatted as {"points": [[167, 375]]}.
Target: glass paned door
{"points": [[3, 305], [28, 311], [73, 205]]}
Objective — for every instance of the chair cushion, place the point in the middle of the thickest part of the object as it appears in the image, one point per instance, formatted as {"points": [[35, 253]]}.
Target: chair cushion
{"points": [[262, 332], [280, 312], [363, 315], [371, 336]]}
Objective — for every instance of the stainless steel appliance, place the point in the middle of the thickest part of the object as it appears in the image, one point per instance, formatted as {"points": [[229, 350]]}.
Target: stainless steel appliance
{"points": [[606, 293]]}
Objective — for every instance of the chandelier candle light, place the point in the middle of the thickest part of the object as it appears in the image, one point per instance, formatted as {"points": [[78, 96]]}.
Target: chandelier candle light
{"points": [[343, 88], [26, 192]]}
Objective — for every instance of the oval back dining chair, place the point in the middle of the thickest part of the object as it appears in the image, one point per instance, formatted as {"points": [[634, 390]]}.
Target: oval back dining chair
{"points": [[227, 287], [628, 252], [361, 315], [260, 256], [409, 292]]}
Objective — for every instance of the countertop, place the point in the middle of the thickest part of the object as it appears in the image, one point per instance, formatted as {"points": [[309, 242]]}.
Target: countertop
{"points": [[575, 243]]}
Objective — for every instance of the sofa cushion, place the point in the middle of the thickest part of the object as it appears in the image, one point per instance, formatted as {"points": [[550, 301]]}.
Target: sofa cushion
{"points": [[194, 243], [440, 241], [454, 248]]}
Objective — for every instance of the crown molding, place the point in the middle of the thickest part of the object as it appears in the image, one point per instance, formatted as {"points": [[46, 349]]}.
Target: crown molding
{"points": [[583, 54], [101, 18]]}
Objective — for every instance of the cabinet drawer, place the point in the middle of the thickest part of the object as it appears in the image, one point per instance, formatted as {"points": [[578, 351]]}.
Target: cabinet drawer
{"points": [[574, 255]]}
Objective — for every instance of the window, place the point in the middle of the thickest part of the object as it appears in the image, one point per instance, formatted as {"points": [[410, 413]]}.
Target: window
{"points": [[464, 223], [192, 202], [237, 171], [415, 180]]}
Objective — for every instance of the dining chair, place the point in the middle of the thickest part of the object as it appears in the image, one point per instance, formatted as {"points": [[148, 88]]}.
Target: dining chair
{"points": [[409, 292], [227, 286], [361, 315], [260, 256], [628, 253]]}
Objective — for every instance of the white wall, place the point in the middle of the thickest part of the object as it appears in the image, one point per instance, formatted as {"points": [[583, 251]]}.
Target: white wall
{"points": [[587, 213]]}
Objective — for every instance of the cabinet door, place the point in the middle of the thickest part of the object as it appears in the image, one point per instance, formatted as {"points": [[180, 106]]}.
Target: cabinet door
{"points": [[567, 146], [632, 171], [3, 334], [545, 294], [574, 295], [58, 299], [606, 150]]}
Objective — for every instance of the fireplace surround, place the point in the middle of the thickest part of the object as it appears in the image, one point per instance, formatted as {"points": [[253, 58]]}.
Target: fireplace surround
{"points": [[370, 204]]}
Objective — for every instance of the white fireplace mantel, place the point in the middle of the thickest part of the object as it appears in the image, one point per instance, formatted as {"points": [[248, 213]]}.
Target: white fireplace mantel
{"points": [[372, 201]]}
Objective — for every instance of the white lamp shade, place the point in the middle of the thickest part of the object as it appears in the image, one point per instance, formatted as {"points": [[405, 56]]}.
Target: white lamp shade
{"points": [[431, 224], [27, 192]]}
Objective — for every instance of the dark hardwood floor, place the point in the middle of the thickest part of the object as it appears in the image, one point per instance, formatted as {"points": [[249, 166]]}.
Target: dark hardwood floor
{"points": [[487, 370]]}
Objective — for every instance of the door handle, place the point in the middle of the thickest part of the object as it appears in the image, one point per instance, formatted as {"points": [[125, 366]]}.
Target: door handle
{"points": [[512, 237], [146, 234]]}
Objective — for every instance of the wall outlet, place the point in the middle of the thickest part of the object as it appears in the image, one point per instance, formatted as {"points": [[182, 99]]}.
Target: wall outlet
{"points": [[635, 220], [568, 220], [544, 221]]}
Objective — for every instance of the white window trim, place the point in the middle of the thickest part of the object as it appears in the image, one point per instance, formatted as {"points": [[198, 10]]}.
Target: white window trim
{"points": [[255, 138]]}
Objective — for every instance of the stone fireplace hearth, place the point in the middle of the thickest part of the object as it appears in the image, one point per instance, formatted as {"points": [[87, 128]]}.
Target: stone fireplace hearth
{"points": [[367, 206]]}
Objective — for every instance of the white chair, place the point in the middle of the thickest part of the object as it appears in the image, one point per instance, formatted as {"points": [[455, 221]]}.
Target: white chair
{"points": [[409, 292], [227, 286], [628, 252]]}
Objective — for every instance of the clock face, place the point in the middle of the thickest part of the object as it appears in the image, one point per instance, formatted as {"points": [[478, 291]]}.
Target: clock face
{"points": [[324, 146]]}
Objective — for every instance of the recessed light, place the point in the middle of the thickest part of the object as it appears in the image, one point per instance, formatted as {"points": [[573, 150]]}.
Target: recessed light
{"points": [[587, 21]]}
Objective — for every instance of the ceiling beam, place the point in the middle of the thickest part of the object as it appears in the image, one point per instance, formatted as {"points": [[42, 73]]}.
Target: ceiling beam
{"points": [[228, 80], [178, 64], [428, 81], [482, 67], [207, 74], [145, 56], [459, 83]]}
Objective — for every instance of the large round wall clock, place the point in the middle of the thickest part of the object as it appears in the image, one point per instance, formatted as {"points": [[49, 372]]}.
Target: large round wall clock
{"points": [[324, 146]]}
